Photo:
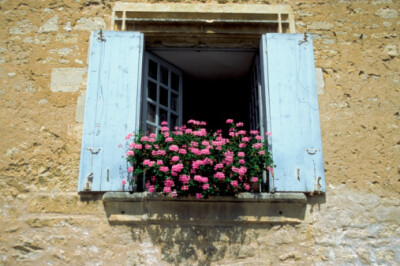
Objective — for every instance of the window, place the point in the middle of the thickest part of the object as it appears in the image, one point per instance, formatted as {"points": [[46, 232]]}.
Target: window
{"points": [[162, 99], [127, 86]]}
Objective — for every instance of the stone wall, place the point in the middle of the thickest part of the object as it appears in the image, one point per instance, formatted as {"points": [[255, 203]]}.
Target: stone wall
{"points": [[43, 62]]}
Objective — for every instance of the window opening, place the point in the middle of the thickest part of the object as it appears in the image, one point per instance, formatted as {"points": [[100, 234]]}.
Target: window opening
{"points": [[216, 84]]}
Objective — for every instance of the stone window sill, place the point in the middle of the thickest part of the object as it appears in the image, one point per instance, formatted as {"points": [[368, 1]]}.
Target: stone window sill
{"points": [[245, 208]]}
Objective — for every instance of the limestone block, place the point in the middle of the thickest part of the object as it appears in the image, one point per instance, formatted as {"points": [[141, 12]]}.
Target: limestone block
{"points": [[67, 38], [80, 108], [386, 13], [22, 27], [62, 52], [67, 26], [320, 26], [50, 25], [320, 80], [90, 24], [59, 203], [390, 50], [66, 79]]}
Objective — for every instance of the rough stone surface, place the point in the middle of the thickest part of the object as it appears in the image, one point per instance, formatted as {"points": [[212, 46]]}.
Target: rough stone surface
{"points": [[320, 26], [386, 13], [50, 25], [80, 108], [320, 80], [44, 222], [90, 24], [66, 79]]}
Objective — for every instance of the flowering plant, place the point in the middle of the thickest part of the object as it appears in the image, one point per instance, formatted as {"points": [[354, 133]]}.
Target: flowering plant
{"points": [[191, 161]]}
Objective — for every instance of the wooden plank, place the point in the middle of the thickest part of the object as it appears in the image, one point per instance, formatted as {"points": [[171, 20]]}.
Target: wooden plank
{"points": [[292, 113], [112, 107]]}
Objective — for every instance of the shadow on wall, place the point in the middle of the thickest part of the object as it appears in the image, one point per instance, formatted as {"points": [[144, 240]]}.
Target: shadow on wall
{"points": [[207, 231], [205, 244]]}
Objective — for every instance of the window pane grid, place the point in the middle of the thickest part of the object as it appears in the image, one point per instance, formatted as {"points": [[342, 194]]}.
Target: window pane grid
{"points": [[164, 94]]}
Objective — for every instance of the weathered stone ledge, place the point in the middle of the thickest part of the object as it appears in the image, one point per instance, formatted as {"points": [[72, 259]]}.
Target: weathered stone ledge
{"points": [[243, 197], [245, 208]]}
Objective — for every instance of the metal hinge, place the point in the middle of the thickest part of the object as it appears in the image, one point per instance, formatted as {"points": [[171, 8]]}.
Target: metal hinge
{"points": [[100, 36], [93, 150], [89, 180], [311, 151], [305, 38]]}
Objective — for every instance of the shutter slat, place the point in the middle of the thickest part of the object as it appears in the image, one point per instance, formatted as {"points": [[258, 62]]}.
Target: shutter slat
{"points": [[292, 114], [112, 107]]}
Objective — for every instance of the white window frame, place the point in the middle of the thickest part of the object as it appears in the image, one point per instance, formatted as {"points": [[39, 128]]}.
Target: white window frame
{"points": [[147, 100]]}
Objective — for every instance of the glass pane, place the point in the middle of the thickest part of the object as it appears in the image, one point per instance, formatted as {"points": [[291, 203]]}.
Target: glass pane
{"points": [[152, 69], [164, 96], [174, 81], [163, 115], [150, 129], [164, 75], [151, 112], [152, 90], [174, 122], [174, 102]]}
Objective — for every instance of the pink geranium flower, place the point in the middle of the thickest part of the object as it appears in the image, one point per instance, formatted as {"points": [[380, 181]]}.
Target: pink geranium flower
{"points": [[174, 148], [254, 179], [175, 158], [127, 137], [205, 186], [164, 169], [229, 121], [242, 145]]}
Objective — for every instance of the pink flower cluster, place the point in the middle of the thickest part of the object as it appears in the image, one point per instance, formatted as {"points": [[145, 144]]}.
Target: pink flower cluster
{"points": [[189, 160]]}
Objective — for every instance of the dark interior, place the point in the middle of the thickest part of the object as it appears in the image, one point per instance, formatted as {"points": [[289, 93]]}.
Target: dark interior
{"points": [[214, 101], [216, 84]]}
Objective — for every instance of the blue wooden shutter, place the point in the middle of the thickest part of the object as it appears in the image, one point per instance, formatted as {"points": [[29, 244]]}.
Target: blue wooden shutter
{"points": [[292, 116], [112, 108]]}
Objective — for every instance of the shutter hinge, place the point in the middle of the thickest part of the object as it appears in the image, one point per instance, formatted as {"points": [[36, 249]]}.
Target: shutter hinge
{"points": [[305, 38], [100, 36], [89, 180], [311, 151], [93, 150], [318, 185]]}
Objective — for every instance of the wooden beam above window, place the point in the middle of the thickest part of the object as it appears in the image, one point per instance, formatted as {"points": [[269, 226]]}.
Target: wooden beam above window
{"points": [[202, 25]]}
